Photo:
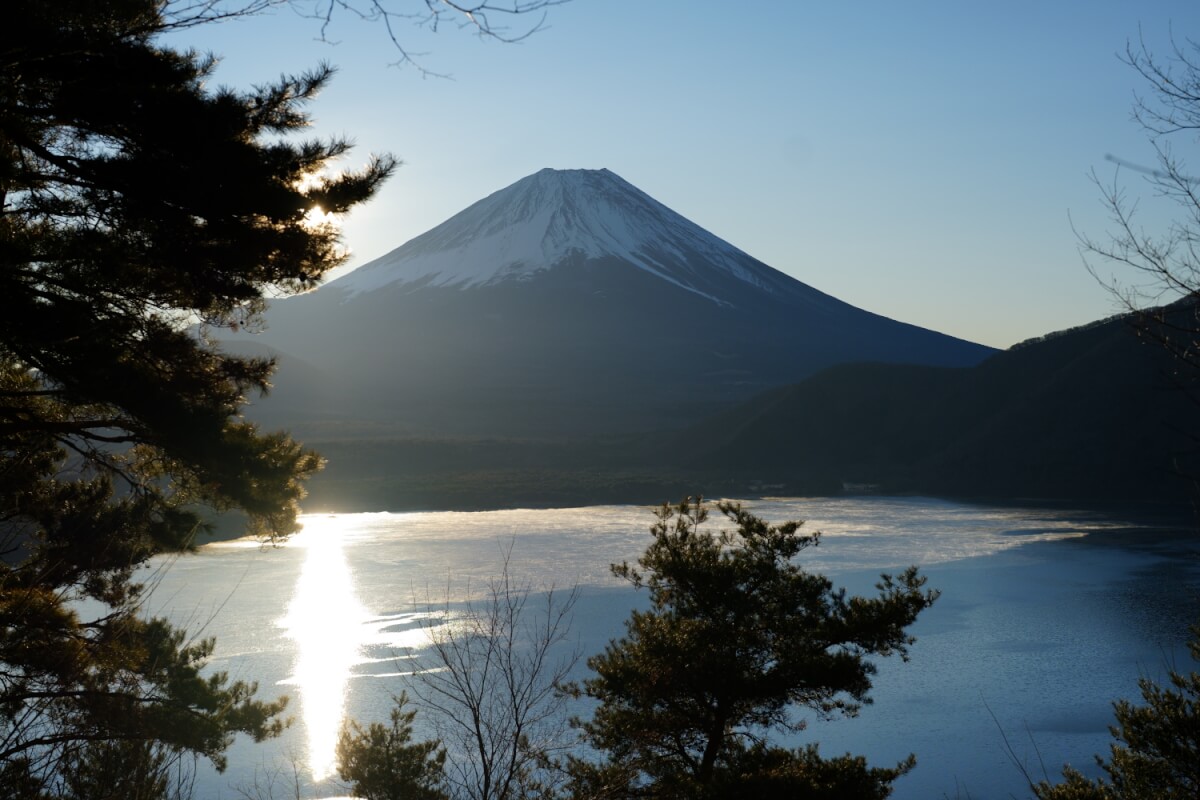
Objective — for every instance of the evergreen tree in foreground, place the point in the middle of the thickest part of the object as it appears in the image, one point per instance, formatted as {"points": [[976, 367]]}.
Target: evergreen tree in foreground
{"points": [[135, 202], [1156, 755], [382, 762], [737, 640]]}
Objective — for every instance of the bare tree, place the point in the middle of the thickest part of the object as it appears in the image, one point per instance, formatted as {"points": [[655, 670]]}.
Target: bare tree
{"points": [[1155, 742], [1163, 294], [493, 686], [282, 779]]}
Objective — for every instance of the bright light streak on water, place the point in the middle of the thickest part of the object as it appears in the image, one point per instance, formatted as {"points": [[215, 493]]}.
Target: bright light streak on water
{"points": [[326, 622]]}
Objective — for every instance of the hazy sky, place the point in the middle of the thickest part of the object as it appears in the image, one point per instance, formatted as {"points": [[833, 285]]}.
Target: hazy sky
{"points": [[922, 160]]}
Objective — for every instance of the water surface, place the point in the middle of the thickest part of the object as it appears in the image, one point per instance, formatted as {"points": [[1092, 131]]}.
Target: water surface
{"points": [[1045, 617]]}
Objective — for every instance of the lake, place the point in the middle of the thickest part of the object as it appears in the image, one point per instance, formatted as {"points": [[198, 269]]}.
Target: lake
{"points": [[1046, 616]]}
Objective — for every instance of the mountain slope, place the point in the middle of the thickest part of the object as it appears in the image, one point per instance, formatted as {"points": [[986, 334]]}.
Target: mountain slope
{"points": [[571, 303]]}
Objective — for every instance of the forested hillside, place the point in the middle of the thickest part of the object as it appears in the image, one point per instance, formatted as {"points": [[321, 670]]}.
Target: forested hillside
{"points": [[1093, 413]]}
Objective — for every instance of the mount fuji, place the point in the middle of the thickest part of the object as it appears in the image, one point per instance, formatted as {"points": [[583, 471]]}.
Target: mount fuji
{"points": [[553, 217], [568, 303]]}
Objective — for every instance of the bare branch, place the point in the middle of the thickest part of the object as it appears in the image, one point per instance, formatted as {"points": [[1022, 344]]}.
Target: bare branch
{"points": [[488, 20], [1166, 262], [494, 685]]}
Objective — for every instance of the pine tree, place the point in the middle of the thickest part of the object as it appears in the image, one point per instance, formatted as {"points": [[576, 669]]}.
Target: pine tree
{"points": [[1156, 752], [737, 639], [382, 762], [139, 210]]}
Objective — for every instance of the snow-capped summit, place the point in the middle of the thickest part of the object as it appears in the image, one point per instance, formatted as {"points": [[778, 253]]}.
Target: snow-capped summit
{"points": [[554, 216]]}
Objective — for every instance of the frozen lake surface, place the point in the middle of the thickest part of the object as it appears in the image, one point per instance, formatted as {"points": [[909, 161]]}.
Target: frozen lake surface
{"points": [[1045, 617]]}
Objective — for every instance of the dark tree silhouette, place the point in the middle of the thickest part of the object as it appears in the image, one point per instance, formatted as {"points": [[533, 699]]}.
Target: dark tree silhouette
{"points": [[738, 638], [139, 209]]}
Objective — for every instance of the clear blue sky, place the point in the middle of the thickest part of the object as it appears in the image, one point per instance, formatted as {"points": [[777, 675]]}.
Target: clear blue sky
{"points": [[922, 160]]}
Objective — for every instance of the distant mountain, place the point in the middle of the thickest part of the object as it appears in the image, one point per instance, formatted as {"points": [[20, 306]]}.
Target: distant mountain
{"points": [[568, 303], [1093, 413]]}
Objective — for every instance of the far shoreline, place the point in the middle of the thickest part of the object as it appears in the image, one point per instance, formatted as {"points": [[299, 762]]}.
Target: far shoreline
{"points": [[1174, 522]]}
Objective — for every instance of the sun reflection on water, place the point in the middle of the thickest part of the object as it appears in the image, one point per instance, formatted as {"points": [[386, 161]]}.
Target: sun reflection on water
{"points": [[326, 622]]}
